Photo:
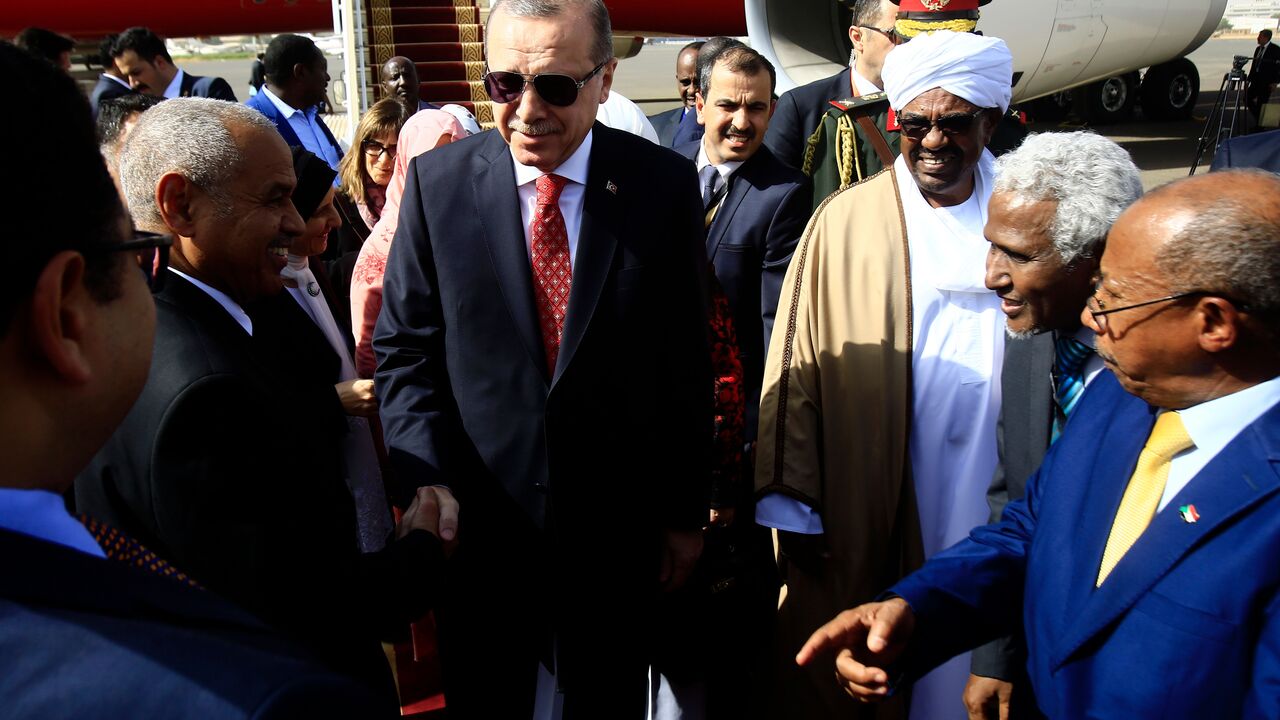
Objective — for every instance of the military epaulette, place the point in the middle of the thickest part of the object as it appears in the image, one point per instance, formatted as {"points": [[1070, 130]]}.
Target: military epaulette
{"points": [[866, 102]]}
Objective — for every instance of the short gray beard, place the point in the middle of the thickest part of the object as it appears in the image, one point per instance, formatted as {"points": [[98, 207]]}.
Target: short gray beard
{"points": [[1019, 334]]}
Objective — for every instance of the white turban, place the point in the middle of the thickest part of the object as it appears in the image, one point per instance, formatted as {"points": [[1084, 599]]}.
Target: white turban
{"points": [[974, 67]]}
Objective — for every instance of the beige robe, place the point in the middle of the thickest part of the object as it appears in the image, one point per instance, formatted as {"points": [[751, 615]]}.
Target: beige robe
{"points": [[835, 426]]}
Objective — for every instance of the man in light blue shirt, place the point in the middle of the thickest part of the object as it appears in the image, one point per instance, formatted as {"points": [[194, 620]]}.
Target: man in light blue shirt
{"points": [[297, 77]]}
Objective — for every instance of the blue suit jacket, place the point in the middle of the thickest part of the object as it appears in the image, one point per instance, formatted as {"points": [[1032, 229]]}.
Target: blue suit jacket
{"points": [[263, 104], [665, 124], [1188, 623], [106, 89], [749, 243]]}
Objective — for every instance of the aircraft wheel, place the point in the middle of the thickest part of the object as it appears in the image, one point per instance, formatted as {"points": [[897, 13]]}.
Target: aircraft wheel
{"points": [[1170, 90], [1111, 100]]}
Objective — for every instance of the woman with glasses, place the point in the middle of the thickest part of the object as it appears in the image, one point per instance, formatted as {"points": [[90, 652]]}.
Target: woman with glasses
{"points": [[363, 176], [426, 130]]}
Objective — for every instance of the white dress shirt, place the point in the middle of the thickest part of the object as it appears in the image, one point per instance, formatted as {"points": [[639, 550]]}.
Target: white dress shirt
{"points": [[574, 170], [705, 168], [1212, 426], [306, 125], [42, 515], [233, 308], [865, 87], [175, 85]]}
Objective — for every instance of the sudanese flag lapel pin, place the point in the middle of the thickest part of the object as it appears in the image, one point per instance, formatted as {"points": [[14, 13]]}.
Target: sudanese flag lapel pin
{"points": [[1189, 513]]}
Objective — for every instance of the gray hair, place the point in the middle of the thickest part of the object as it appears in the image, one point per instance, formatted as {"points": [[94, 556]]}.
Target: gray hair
{"points": [[188, 136], [1230, 246], [1092, 179], [597, 14]]}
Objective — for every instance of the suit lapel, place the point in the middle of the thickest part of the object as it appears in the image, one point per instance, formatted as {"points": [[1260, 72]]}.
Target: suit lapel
{"points": [[738, 187], [1239, 477], [498, 208], [188, 82], [596, 245]]}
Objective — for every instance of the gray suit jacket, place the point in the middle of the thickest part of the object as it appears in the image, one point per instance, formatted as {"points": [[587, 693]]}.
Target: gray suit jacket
{"points": [[1022, 438]]}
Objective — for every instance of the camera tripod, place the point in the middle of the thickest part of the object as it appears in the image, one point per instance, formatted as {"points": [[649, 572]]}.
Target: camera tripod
{"points": [[1231, 97]]}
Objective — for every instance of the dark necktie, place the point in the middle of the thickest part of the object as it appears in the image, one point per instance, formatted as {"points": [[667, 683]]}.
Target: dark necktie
{"points": [[1069, 356], [709, 191], [552, 267], [121, 548]]}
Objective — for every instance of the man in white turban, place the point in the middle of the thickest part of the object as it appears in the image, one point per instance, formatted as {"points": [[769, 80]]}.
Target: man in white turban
{"points": [[877, 420]]}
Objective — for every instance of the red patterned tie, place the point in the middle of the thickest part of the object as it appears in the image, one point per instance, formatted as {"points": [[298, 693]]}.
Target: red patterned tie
{"points": [[552, 273]]}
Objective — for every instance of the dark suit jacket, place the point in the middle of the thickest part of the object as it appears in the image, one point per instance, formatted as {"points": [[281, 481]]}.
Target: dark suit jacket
{"points": [[1185, 626], [206, 87], [225, 469], [665, 123], [1266, 69], [1023, 434], [1260, 150], [86, 637], [263, 104], [688, 129], [749, 244], [565, 474], [106, 89], [798, 113]]}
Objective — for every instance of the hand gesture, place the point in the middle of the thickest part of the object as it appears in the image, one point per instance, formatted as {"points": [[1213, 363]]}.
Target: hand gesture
{"points": [[868, 638], [987, 698], [357, 398], [435, 510]]}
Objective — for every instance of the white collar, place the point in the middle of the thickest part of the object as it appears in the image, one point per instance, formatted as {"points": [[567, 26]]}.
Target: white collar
{"points": [[233, 308], [573, 169], [725, 169], [175, 85], [865, 87], [285, 108], [1215, 423]]}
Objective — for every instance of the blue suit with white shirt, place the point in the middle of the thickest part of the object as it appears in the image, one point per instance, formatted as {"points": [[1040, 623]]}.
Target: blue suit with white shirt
{"points": [[311, 132], [1187, 625]]}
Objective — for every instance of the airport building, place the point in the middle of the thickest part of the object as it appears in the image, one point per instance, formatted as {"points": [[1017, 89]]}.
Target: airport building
{"points": [[1253, 15]]}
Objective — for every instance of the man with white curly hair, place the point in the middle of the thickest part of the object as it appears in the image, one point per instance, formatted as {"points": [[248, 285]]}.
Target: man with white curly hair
{"points": [[1054, 201], [881, 393]]}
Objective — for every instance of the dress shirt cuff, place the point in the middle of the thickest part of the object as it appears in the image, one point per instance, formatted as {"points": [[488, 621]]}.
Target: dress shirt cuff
{"points": [[776, 510]]}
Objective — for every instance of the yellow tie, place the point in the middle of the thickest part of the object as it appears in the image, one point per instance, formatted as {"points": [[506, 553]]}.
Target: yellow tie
{"points": [[1142, 496]]}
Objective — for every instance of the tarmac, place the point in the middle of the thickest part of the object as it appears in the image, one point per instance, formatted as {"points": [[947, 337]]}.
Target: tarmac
{"points": [[1162, 150]]}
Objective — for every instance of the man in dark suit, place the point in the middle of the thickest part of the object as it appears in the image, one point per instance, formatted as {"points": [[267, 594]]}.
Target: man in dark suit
{"points": [[801, 109], [1055, 199], [1261, 150], [297, 76], [567, 400], [83, 634], [665, 123], [196, 472], [142, 57], [1264, 73], [1152, 530], [111, 83], [755, 207]]}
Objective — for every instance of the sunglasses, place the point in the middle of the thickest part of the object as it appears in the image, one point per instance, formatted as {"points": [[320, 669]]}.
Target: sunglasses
{"points": [[152, 250], [556, 88], [891, 33], [917, 127]]}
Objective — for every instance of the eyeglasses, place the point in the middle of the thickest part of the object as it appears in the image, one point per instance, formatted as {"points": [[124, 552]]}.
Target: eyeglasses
{"points": [[1100, 315], [557, 89], [152, 251], [918, 128], [891, 33], [374, 150]]}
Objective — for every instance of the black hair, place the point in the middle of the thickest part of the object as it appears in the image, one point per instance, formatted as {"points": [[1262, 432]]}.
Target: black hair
{"points": [[1266, 32], [83, 214], [866, 13], [144, 43], [714, 50], [695, 45], [113, 113], [44, 43], [107, 51], [283, 53]]}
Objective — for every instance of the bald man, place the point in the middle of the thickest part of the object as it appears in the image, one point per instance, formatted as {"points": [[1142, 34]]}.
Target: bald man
{"points": [[399, 78]]}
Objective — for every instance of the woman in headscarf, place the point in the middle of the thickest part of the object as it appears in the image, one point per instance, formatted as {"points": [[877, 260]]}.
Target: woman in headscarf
{"points": [[426, 130], [299, 333]]}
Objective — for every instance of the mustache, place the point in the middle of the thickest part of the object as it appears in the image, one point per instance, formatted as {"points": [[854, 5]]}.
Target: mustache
{"points": [[749, 133], [541, 127]]}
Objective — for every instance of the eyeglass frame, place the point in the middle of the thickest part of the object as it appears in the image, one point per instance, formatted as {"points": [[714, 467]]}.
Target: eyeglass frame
{"points": [[1102, 312], [973, 117], [143, 240], [390, 150], [529, 80]]}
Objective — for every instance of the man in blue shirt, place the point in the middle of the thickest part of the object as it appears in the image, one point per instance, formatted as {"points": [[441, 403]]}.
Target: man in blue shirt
{"points": [[297, 77]]}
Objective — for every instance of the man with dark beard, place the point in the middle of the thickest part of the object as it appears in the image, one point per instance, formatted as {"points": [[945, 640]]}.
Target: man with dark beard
{"points": [[877, 421]]}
